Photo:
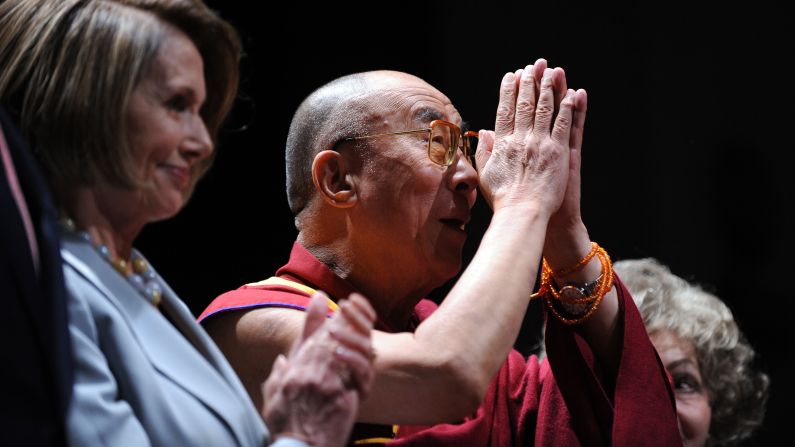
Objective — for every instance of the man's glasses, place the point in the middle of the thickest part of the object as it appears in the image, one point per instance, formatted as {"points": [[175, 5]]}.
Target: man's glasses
{"points": [[444, 138]]}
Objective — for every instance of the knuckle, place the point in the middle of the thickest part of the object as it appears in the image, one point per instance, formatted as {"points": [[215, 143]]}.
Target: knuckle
{"points": [[504, 111], [551, 149], [525, 106], [504, 121], [558, 134], [544, 109]]}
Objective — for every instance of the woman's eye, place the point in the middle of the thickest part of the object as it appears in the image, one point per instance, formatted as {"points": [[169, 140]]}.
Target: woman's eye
{"points": [[177, 103], [686, 383]]}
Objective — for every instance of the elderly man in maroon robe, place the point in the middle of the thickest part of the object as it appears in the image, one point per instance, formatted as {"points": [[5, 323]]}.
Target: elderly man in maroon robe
{"points": [[381, 181]]}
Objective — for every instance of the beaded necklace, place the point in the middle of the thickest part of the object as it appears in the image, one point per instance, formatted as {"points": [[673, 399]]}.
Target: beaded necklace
{"points": [[142, 277]]}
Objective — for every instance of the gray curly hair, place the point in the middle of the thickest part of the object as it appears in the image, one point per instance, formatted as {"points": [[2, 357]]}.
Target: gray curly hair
{"points": [[737, 392]]}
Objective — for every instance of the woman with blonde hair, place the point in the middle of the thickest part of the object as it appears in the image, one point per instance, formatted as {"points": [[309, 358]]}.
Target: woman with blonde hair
{"points": [[121, 102]]}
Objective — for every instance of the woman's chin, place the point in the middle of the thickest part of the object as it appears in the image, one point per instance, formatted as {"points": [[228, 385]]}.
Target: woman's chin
{"points": [[166, 211]]}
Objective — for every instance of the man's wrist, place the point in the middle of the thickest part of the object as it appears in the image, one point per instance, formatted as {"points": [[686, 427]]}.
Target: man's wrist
{"points": [[565, 247]]}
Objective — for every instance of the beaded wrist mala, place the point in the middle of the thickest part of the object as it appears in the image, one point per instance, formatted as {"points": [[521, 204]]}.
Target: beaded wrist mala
{"points": [[564, 310]]}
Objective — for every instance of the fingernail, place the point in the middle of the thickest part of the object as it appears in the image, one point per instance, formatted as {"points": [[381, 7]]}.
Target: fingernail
{"points": [[547, 73], [508, 78]]}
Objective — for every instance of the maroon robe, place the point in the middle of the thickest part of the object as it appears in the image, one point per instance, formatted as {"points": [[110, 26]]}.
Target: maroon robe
{"points": [[526, 404]]}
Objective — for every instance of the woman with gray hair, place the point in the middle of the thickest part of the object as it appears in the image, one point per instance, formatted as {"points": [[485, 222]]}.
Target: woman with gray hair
{"points": [[122, 101], [720, 396]]}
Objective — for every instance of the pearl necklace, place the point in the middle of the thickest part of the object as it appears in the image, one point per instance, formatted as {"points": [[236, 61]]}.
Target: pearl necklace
{"points": [[142, 277]]}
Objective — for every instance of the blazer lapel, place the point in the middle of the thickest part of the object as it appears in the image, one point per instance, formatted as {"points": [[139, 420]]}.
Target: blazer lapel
{"points": [[186, 323], [180, 351]]}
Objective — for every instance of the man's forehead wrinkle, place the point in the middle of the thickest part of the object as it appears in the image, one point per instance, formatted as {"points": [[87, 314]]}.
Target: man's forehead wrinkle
{"points": [[421, 103], [370, 109]]}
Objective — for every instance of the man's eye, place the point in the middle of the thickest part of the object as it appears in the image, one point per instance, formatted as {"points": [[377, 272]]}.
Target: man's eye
{"points": [[442, 140]]}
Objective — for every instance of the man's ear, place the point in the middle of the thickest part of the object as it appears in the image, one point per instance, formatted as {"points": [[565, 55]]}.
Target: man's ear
{"points": [[333, 179]]}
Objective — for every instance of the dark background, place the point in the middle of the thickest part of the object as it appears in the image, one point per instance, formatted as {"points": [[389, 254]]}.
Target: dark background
{"points": [[687, 153]]}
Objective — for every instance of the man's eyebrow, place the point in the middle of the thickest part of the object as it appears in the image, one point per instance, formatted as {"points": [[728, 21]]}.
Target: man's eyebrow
{"points": [[427, 114]]}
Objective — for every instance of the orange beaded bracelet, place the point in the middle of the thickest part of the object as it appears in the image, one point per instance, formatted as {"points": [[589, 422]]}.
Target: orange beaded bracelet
{"points": [[594, 249], [547, 273], [604, 284], [552, 297]]}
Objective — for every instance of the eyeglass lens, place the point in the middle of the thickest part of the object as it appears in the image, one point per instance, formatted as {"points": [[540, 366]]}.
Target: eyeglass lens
{"points": [[445, 140], [441, 145]]}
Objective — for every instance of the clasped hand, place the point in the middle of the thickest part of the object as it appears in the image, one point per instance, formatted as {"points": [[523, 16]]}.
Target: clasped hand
{"points": [[531, 158]]}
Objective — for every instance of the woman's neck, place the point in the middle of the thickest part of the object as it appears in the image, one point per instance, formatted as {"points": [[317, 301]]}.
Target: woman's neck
{"points": [[105, 218]]}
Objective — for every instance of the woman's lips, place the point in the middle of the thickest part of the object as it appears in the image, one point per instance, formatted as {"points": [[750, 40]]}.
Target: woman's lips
{"points": [[180, 174]]}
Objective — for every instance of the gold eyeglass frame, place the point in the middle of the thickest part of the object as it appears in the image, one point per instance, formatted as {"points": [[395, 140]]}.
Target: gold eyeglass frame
{"points": [[458, 140]]}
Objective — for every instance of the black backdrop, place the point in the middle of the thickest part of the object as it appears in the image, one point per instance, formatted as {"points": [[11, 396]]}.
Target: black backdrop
{"points": [[687, 154]]}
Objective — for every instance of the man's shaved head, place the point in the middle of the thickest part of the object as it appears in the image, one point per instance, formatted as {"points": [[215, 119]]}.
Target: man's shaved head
{"points": [[341, 109]]}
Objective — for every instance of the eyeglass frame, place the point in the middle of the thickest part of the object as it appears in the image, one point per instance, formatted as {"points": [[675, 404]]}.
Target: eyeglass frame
{"points": [[462, 143]]}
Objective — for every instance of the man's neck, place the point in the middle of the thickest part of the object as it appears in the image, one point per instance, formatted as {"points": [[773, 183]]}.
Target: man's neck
{"points": [[389, 291]]}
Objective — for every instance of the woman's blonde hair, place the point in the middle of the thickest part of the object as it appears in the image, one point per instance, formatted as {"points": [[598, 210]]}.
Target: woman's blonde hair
{"points": [[68, 68]]}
